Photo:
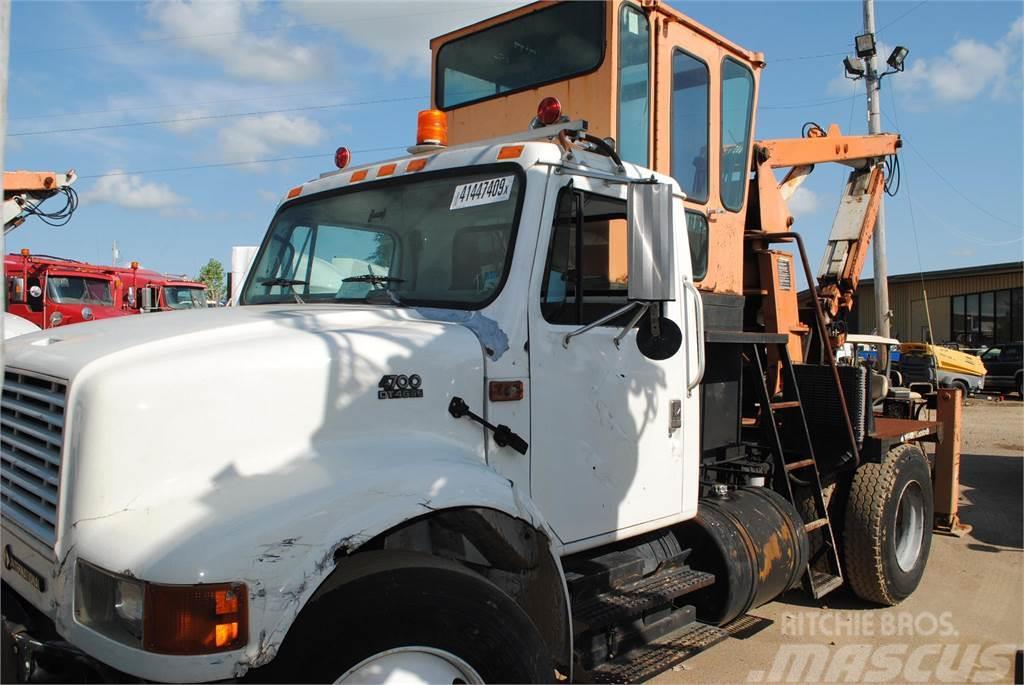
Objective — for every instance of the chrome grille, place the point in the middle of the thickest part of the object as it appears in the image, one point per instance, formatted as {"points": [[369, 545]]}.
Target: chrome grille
{"points": [[31, 437]]}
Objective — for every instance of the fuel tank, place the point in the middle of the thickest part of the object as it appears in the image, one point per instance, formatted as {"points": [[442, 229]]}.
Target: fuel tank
{"points": [[754, 543]]}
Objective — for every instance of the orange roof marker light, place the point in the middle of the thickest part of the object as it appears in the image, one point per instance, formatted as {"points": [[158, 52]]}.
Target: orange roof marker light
{"points": [[386, 170], [510, 152], [416, 164], [432, 128], [358, 175], [294, 192]]}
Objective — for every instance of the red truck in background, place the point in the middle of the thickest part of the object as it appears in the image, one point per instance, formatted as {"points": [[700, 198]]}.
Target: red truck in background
{"points": [[148, 291], [52, 291]]}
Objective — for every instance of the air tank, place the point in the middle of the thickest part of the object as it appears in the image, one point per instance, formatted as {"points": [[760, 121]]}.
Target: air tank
{"points": [[754, 543]]}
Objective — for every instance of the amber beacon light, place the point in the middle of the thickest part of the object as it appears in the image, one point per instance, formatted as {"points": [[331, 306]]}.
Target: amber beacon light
{"points": [[432, 128]]}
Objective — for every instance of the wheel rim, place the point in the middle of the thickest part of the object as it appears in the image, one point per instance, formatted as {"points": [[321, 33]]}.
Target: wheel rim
{"points": [[909, 528], [408, 665]]}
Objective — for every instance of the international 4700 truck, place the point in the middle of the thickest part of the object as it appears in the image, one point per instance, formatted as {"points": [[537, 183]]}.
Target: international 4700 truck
{"points": [[533, 402]]}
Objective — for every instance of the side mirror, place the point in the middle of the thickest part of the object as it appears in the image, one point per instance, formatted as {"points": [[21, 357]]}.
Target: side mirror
{"points": [[146, 295], [16, 289], [35, 297], [651, 234], [652, 266]]}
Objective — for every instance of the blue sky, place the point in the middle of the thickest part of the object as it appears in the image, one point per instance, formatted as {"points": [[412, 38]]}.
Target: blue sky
{"points": [[314, 75]]}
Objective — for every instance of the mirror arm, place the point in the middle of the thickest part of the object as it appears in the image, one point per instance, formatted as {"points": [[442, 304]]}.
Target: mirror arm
{"points": [[644, 307], [600, 322]]}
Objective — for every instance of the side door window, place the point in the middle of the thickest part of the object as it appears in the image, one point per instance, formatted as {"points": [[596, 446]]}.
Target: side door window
{"points": [[634, 85], [737, 102], [586, 274], [690, 132]]}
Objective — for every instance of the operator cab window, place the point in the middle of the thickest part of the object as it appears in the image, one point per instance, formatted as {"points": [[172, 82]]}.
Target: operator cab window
{"points": [[737, 108], [586, 275], [690, 83], [548, 45], [634, 90]]}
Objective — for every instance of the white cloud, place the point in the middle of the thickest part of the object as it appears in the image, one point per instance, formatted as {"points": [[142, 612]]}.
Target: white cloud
{"points": [[126, 190], [399, 31], [242, 53], [803, 202], [268, 195], [256, 137]]}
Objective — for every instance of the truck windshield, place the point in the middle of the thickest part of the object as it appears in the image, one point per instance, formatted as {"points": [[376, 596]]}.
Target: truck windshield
{"points": [[441, 239], [79, 290], [184, 297], [548, 45]]}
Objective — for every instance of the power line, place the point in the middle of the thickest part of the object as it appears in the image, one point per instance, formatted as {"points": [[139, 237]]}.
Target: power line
{"points": [[143, 41], [811, 104], [805, 57], [208, 117], [952, 186], [122, 110], [217, 165], [900, 17]]}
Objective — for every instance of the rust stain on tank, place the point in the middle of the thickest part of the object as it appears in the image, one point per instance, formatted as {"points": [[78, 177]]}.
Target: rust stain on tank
{"points": [[771, 552]]}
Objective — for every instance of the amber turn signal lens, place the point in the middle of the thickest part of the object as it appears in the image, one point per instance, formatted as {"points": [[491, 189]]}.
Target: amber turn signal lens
{"points": [[195, 619], [432, 128], [510, 152]]}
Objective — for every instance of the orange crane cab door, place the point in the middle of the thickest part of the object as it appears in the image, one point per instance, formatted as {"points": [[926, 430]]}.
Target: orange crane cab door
{"points": [[705, 97]]}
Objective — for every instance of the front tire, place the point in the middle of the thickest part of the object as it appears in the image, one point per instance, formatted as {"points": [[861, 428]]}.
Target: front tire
{"points": [[887, 534], [432, 622]]}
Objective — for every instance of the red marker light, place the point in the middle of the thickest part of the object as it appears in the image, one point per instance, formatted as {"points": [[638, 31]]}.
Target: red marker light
{"points": [[342, 157], [549, 111]]}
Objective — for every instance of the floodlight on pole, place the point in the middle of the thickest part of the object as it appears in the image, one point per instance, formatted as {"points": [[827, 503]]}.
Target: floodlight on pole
{"points": [[865, 44], [854, 67], [897, 57]]}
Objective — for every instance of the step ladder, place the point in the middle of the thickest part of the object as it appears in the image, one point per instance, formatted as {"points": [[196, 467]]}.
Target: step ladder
{"points": [[823, 570]]}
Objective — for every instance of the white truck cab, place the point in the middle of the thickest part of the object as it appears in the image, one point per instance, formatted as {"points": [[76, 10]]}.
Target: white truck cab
{"points": [[173, 549]]}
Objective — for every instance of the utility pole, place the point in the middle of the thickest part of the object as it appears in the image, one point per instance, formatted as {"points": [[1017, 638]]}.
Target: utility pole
{"points": [[873, 82], [115, 254]]}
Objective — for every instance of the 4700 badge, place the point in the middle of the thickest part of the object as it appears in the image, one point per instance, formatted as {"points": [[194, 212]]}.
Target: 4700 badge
{"points": [[399, 386]]}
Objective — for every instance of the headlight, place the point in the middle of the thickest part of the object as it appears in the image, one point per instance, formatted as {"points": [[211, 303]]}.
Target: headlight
{"points": [[166, 619], [109, 604]]}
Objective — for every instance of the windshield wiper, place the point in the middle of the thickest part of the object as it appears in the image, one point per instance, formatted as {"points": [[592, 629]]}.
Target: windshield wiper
{"points": [[373, 278], [283, 281]]}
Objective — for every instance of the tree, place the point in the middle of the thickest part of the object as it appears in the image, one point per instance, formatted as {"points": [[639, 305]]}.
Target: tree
{"points": [[212, 276]]}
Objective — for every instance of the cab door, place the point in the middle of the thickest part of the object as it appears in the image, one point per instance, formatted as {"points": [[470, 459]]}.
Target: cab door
{"points": [[613, 432]]}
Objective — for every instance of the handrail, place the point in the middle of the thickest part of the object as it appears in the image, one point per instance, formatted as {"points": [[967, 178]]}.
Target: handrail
{"points": [[689, 287], [819, 317]]}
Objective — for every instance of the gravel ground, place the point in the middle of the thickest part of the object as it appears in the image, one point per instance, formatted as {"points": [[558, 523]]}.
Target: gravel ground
{"points": [[963, 624]]}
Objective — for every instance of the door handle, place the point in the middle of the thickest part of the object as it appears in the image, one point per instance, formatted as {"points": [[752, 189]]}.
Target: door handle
{"points": [[691, 290]]}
